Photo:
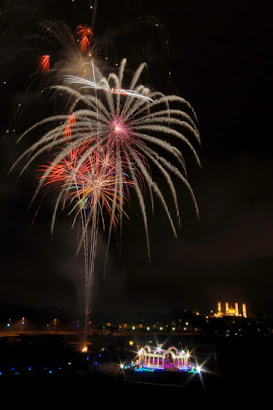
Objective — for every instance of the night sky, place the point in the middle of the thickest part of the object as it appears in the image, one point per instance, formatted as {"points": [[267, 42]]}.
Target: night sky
{"points": [[218, 56]]}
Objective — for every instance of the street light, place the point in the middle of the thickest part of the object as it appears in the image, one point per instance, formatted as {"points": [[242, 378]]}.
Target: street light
{"points": [[22, 324]]}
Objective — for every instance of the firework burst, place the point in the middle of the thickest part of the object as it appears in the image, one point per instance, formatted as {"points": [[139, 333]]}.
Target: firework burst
{"points": [[104, 85], [44, 62], [107, 140], [90, 188], [137, 131], [85, 34]]}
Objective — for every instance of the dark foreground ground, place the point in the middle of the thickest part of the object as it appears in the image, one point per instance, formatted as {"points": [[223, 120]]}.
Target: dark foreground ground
{"points": [[237, 370]]}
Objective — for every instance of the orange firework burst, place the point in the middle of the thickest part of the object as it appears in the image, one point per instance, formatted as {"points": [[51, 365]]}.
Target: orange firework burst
{"points": [[71, 120], [91, 184], [85, 33], [95, 188], [44, 63]]}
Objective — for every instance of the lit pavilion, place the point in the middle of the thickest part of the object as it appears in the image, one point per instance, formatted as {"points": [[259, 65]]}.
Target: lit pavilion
{"points": [[158, 358]]}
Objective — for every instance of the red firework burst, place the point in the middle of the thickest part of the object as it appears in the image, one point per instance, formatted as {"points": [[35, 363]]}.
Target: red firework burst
{"points": [[85, 34], [44, 63]]}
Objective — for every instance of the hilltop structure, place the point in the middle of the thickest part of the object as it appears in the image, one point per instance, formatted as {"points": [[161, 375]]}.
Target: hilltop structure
{"points": [[230, 310]]}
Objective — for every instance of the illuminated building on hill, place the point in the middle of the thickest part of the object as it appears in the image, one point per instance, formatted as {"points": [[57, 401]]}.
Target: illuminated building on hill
{"points": [[230, 310]]}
